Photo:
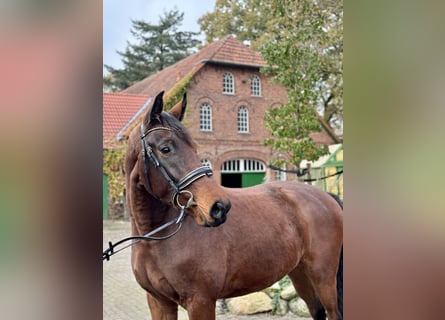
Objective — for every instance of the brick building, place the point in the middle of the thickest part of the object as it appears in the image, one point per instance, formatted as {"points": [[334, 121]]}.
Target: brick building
{"points": [[227, 97]]}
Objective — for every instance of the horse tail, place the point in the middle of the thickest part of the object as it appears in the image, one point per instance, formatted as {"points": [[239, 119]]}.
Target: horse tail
{"points": [[340, 286], [336, 198], [340, 270]]}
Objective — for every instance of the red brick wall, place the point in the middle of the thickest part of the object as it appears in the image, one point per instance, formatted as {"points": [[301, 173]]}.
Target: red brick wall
{"points": [[224, 142]]}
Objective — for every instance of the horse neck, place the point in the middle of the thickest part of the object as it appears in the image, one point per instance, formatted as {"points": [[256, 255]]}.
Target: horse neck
{"points": [[149, 213]]}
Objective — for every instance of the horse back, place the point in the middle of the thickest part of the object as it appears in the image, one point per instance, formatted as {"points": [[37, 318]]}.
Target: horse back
{"points": [[288, 200], [290, 209]]}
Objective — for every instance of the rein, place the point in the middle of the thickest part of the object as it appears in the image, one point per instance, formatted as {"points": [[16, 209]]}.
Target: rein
{"points": [[178, 189], [148, 236]]}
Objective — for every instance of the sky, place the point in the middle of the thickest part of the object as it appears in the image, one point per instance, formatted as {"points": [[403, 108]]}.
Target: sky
{"points": [[117, 16]]}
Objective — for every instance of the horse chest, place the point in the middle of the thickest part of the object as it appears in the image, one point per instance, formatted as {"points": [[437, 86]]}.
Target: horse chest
{"points": [[154, 276]]}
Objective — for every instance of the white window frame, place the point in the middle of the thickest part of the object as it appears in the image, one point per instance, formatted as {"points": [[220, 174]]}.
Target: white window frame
{"points": [[228, 83], [205, 118], [242, 165], [255, 86], [243, 120]]}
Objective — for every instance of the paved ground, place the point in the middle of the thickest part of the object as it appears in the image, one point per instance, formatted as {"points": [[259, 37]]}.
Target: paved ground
{"points": [[123, 299]]}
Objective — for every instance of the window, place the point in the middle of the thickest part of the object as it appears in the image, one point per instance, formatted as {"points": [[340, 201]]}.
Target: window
{"points": [[243, 120], [255, 86], [228, 85], [205, 117], [243, 165]]}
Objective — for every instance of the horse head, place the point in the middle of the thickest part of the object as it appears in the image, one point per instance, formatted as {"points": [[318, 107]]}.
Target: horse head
{"points": [[172, 169]]}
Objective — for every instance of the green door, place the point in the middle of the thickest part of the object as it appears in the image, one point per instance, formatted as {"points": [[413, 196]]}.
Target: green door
{"points": [[249, 179]]}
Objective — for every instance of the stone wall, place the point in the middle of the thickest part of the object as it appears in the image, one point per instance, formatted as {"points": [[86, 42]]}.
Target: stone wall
{"points": [[278, 299]]}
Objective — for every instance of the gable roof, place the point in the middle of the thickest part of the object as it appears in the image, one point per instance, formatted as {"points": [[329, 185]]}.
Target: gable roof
{"points": [[232, 51], [119, 110], [228, 51]]}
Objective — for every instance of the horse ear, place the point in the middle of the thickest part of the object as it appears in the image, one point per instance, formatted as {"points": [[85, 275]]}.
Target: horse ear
{"points": [[156, 109], [179, 109]]}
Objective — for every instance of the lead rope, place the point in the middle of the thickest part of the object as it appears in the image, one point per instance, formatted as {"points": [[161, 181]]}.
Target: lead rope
{"points": [[148, 236]]}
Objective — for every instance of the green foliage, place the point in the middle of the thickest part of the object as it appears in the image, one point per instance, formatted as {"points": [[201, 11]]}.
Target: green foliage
{"points": [[283, 283], [158, 47], [294, 58], [275, 301], [247, 19], [113, 167], [177, 92]]}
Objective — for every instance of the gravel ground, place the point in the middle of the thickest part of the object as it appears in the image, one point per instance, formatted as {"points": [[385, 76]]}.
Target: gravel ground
{"points": [[122, 296]]}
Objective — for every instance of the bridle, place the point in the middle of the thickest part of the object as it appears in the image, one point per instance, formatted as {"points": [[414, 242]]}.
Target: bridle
{"points": [[178, 188]]}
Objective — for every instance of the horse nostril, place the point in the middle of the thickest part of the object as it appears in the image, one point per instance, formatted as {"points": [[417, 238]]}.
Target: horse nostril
{"points": [[219, 210]]}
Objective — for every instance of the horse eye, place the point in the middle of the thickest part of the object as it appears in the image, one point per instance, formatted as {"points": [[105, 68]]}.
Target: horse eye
{"points": [[165, 150]]}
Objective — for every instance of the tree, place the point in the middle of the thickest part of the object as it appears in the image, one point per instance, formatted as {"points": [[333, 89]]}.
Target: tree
{"points": [[158, 46], [246, 19], [268, 23], [295, 58]]}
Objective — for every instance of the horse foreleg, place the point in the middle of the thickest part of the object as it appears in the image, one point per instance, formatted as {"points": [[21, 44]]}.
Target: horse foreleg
{"points": [[201, 309], [162, 309]]}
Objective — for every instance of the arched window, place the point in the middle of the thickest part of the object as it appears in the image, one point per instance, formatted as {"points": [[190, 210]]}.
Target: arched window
{"points": [[243, 120], [228, 84], [205, 117], [255, 86], [243, 165]]}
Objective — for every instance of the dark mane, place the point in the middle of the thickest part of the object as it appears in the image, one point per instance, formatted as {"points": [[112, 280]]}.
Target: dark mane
{"points": [[169, 121]]}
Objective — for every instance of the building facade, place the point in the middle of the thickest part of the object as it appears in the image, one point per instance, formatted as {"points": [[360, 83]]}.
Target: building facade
{"points": [[226, 109], [227, 97]]}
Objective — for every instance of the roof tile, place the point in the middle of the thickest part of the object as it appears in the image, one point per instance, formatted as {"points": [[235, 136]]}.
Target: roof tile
{"points": [[228, 50], [118, 110]]}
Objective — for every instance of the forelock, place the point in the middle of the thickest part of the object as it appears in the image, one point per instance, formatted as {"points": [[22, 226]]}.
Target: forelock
{"points": [[169, 121]]}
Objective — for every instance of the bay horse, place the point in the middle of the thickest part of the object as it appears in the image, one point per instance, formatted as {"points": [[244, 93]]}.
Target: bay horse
{"points": [[254, 236]]}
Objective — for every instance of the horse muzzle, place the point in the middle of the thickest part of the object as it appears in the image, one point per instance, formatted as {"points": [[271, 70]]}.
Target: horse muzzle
{"points": [[219, 212]]}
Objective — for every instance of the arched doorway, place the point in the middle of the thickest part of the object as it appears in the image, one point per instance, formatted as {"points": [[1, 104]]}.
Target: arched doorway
{"points": [[241, 173]]}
